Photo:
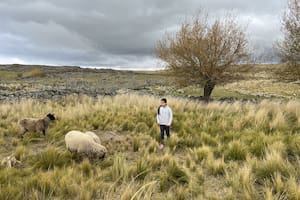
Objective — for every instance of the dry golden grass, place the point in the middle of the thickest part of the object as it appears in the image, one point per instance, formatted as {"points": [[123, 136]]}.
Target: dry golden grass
{"points": [[216, 151]]}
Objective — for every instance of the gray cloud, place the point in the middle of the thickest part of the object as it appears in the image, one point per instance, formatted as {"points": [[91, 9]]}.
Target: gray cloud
{"points": [[115, 33]]}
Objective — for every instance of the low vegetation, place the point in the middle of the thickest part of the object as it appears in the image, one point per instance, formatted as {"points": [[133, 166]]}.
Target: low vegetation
{"points": [[216, 151]]}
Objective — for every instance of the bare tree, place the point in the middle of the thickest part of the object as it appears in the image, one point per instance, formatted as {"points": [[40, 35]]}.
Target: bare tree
{"points": [[288, 49], [201, 52]]}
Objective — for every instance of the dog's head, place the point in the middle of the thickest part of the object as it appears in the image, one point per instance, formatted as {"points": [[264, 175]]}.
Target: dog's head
{"points": [[51, 116]]}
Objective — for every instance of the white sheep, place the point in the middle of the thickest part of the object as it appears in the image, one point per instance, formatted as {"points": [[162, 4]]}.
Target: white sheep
{"points": [[36, 125], [84, 144], [94, 136]]}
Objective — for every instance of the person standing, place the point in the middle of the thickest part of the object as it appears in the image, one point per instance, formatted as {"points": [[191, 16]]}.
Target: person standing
{"points": [[164, 119]]}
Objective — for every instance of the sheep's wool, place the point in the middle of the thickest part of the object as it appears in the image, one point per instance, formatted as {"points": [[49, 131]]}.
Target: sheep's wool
{"points": [[82, 143]]}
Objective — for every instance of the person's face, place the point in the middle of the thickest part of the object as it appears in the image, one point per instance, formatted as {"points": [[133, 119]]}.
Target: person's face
{"points": [[162, 103]]}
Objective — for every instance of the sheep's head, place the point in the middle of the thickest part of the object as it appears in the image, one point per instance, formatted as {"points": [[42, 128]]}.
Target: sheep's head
{"points": [[51, 116], [102, 153]]}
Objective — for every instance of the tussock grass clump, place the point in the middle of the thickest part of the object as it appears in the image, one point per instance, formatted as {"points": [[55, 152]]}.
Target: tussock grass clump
{"points": [[139, 191], [261, 117], [152, 147], [9, 192], [279, 183], [268, 193], [89, 189], [141, 170], [208, 140], [21, 152], [200, 153], [45, 185], [86, 167], [235, 151], [136, 144], [119, 170], [257, 145], [278, 121], [158, 162], [50, 158], [173, 174], [243, 182], [215, 166], [141, 127], [181, 193], [128, 126], [293, 189], [293, 145], [272, 164], [68, 188], [173, 142]]}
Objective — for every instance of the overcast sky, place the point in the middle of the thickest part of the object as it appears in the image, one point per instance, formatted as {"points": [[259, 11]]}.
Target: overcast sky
{"points": [[115, 33]]}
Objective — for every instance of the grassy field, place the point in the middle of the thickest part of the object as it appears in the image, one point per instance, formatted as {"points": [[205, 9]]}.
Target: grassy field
{"points": [[216, 151]]}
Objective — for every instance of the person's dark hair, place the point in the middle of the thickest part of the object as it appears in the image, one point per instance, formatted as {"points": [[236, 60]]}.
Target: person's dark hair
{"points": [[164, 100]]}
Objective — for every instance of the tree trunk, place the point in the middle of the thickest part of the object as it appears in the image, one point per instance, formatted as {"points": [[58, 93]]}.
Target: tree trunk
{"points": [[208, 88]]}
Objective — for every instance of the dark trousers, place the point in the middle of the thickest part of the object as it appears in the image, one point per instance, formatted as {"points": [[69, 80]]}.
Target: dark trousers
{"points": [[164, 129]]}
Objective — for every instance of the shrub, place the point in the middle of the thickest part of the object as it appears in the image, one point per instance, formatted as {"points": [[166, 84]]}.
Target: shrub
{"points": [[37, 73], [19, 74]]}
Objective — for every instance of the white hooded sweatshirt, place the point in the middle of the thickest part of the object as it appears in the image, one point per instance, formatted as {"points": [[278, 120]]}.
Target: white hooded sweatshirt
{"points": [[165, 116]]}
